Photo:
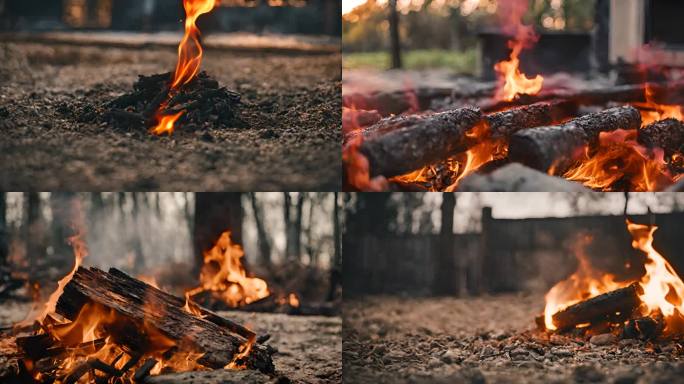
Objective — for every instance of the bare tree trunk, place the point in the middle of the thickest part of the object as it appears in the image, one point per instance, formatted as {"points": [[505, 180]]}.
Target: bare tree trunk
{"points": [[445, 267], [263, 240], [136, 240], [215, 213], [4, 240], [289, 241], [336, 265], [395, 46], [61, 204], [297, 230], [313, 254], [34, 231]]}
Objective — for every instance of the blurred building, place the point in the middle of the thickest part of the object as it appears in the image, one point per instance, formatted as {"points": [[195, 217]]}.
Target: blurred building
{"points": [[278, 16]]}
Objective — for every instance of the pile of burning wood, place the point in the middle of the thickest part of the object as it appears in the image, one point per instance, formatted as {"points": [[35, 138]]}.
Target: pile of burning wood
{"points": [[108, 326], [626, 137], [591, 303]]}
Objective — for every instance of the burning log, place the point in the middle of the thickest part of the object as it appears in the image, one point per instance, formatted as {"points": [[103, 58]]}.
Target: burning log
{"points": [[667, 134], [401, 144], [201, 102], [506, 123], [141, 307], [614, 306], [554, 148]]}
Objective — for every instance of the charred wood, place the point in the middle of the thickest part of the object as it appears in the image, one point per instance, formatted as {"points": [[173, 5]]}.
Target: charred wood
{"points": [[401, 144], [555, 148], [504, 124], [613, 306], [667, 134], [140, 305]]}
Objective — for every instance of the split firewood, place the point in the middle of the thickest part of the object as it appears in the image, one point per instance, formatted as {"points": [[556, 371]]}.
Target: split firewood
{"points": [[667, 134], [404, 143], [400, 101], [613, 306], [140, 305], [557, 147]]}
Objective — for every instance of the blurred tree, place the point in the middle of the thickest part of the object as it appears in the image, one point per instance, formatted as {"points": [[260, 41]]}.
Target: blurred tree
{"points": [[61, 205], [4, 233], [215, 212], [395, 45], [34, 231], [263, 238], [445, 282], [336, 265]]}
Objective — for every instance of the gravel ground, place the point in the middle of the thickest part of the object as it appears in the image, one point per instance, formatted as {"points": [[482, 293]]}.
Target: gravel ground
{"points": [[487, 340], [291, 139], [309, 348]]}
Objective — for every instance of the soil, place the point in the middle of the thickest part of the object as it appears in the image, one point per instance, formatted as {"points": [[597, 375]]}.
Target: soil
{"points": [[289, 138], [308, 348], [488, 339]]}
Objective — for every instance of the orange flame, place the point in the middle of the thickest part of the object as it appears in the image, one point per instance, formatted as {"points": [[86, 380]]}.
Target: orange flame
{"points": [[189, 59], [663, 288], [585, 283], [225, 277], [512, 82], [80, 252], [651, 111], [620, 163], [462, 165], [166, 124]]}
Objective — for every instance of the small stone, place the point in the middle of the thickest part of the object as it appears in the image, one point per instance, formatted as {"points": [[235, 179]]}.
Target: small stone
{"points": [[488, 351], [434, 363], [451, 356], [587, 374], [518, 354], [561, 352], [603, 339]]}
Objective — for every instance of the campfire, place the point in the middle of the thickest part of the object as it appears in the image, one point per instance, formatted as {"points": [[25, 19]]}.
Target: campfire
{"points": [[109, 327], [591, 302], [626, 137], [185, 97], [225, 279]]}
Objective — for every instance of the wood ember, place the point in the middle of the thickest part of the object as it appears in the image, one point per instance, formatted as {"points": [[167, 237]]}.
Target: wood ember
{"points": [[139, 303], [667, 134], [613, 306], [401, 144], [556, 147], [204, 102]]}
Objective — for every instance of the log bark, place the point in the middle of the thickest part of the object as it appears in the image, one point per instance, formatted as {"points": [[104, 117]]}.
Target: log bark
{"points": [[667, 134], [141, 305], [555, 148], [614, 306], [416, 141], [504, 124]]}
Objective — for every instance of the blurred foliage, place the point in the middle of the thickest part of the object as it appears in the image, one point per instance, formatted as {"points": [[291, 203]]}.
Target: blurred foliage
{"points": [[453, 24], [458, 61]]}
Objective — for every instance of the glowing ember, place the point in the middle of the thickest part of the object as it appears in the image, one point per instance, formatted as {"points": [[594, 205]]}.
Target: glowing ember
{"points": [[189, 58], [225, 277], [512, 81], [620, 163]]}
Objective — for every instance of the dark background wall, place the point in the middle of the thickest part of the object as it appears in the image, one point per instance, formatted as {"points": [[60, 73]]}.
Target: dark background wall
{"points": [[507, 255]]}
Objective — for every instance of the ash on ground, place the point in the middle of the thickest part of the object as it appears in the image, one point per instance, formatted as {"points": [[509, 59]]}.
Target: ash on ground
{"points": [[488, 339]]}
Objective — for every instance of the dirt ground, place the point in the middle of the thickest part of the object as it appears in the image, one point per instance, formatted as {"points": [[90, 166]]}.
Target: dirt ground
{"points": [[291, 107], [486, 340], [308, 348]]}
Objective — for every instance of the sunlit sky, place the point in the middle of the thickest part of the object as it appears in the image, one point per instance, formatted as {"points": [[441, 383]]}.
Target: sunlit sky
{"points": [[348, 5]]}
